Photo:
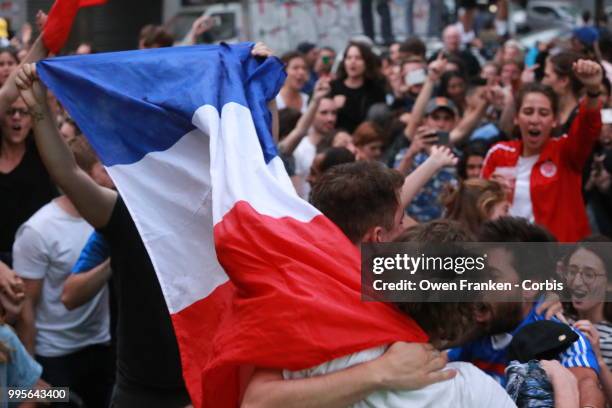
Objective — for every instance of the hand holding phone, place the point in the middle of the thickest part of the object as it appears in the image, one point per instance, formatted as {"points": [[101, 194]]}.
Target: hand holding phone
{"points": [[424, 138], [443, 138]]}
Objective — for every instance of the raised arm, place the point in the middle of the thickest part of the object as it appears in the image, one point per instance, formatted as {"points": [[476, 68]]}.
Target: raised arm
{"points": [[434, 72], [201, 25], [9, 91], [440, 156], [508, 111], [471, 118], [403, 366], [94, 203], [586, 127], [288, 144]]}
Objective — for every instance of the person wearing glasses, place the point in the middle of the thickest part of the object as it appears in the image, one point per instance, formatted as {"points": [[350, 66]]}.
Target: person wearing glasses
{"points": [[587, 270], [25, 185]]}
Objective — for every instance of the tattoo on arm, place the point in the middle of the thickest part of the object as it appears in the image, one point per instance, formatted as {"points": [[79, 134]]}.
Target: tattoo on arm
{"points": [[37, 115]]}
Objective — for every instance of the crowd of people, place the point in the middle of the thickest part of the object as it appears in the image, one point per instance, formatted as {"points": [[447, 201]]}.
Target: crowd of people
{"points": [[405, 145]]}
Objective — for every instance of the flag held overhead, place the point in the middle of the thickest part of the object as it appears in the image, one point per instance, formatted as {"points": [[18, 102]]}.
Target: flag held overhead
{"points": [[251, 274]]}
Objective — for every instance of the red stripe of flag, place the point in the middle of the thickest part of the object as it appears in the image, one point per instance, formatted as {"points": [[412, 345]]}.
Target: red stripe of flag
{"points": [[59, 22]]}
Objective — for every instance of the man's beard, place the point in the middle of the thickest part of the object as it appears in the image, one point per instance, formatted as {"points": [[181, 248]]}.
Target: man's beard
{"points": [[506, 317]]}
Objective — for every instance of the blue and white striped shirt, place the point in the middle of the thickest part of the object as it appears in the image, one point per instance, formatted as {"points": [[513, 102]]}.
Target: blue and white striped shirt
{"points": [[489, 353]]}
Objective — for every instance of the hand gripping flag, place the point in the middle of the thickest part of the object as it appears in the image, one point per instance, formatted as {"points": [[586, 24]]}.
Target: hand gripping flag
{"points": [[59, 22], [252, 274]]}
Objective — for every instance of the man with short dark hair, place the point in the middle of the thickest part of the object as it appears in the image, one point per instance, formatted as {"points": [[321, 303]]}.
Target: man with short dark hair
{"points": [[412, 47], [361, 198], [366, 201], [413, 74], [501, 321]]}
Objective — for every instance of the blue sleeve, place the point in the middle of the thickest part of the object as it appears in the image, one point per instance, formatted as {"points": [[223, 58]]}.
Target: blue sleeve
{"points": [[93, 254], [22, 370], [580, 354], [456, 354]]}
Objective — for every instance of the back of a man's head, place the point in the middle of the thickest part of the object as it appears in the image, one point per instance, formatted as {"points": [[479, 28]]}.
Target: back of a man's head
{"points": [[437, 232], [445, 322], [513, 229], [530, 261], [83, 153], [88, 161], [358, 197]]}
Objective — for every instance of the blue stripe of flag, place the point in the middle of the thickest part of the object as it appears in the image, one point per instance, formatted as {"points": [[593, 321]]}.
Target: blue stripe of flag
{"points": [[135, 102]]}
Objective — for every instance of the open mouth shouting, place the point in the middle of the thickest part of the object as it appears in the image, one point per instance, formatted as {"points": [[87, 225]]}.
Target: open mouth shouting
{"points": [[534, 133], [578, 296]]}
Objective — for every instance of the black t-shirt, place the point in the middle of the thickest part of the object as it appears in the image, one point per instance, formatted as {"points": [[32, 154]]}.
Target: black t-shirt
{"points": [[22, 192], [358, 101], [147, 351], [564, 128]]}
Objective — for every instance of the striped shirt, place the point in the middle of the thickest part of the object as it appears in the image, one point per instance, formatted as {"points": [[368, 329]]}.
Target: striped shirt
{"points": [[490, 353], [605, 341], [604, 329]]}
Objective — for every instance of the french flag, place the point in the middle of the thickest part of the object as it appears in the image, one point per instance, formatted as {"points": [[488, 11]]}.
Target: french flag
{"points": [[252, 274]]}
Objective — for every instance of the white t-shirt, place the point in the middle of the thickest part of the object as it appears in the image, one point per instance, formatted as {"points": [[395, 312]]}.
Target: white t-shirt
{"points": [[280, 102], [46, 247], [521, 204], [304, 155], [470, 388]]}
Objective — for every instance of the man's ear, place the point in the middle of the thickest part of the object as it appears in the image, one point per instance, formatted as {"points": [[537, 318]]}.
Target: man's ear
{"points": [[373, 235]]}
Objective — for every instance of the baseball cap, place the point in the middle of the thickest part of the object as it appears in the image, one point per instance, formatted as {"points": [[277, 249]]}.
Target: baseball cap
{"points": [[440, 102], [541, 340]]}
